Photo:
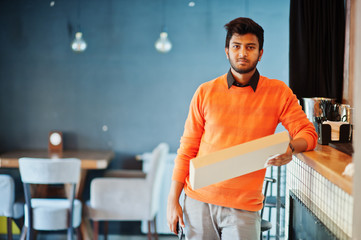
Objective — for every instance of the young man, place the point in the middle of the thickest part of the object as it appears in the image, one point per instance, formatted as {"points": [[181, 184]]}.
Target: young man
{"points": [[237, 107]]}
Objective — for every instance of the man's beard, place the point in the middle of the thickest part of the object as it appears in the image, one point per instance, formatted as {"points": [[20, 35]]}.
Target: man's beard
{"points": [[243, 71]]}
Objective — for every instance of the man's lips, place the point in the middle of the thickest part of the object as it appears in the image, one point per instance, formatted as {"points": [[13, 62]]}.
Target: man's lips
{"points": [[242, 61]]}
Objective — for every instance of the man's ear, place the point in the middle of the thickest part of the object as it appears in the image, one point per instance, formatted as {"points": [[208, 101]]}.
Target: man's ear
{"points": [[226, 50], [260, 55]]}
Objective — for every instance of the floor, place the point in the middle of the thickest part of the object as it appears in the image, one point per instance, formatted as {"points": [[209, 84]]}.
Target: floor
{"points": [[110, 237]]}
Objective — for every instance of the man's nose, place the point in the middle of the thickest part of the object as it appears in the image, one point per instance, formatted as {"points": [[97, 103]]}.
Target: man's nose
{"points": [[242, 52]]}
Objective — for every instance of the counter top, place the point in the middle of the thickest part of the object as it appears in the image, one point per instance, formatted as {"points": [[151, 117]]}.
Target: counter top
{"points": [[330, 163]]}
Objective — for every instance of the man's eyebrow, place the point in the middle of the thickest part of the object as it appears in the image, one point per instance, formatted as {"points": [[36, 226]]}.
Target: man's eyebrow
{"points": [[237, 43]]}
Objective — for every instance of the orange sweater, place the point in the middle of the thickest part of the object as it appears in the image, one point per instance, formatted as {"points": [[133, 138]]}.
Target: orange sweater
{"points": [[220, 118]]}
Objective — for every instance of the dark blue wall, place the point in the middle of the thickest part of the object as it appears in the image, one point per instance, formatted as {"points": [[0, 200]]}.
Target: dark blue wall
{"points": [[120, 81]]}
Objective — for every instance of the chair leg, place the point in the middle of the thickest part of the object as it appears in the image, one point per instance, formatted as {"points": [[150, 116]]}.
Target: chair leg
{"points": [[96, 229], [70, 233], [30, 235], [155, 228], [10, 228], [149, 230], [269, 219], [23, 232], [152, 225], [106, 227], [78, 234]]}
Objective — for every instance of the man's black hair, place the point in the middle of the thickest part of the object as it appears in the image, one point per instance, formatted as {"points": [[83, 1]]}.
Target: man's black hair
{"points": [[243, 26]]}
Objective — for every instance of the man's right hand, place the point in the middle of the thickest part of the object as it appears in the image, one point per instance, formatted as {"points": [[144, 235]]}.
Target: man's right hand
{"points": [[174, 210], [174, 215]]}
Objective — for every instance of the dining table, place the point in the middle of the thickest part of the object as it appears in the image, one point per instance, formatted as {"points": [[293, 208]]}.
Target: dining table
{"points": [[90, 160]]}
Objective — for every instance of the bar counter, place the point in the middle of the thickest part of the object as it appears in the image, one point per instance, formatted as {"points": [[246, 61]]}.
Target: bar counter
{"points": [[330, 163], [319, 198]]}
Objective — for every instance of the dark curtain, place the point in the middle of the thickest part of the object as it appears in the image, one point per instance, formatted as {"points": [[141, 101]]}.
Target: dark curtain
{"points": [[317, 38]]}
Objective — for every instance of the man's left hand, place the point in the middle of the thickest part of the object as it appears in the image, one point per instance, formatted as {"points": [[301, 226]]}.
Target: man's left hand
{"points": [[282, 159]]}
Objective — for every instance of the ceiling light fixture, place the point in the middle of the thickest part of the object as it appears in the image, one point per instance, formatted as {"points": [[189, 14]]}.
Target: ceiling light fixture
{"points": [[191, 4], [163, 44], [78, 44]]}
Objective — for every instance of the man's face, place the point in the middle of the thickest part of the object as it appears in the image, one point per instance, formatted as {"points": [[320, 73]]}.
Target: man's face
{"points": [[243, 52]]}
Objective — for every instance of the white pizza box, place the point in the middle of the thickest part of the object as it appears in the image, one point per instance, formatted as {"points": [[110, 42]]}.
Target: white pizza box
{"points": [[237, 160]]}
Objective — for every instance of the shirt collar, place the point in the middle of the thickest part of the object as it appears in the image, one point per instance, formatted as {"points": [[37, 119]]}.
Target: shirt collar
{"points": [[253, 82]]}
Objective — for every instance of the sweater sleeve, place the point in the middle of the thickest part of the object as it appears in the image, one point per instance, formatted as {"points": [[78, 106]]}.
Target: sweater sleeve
{"points": [[295, 120], [190, 141]]}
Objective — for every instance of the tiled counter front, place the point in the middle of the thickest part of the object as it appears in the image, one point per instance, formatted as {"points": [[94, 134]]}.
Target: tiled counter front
{"points": [[316, 185]]}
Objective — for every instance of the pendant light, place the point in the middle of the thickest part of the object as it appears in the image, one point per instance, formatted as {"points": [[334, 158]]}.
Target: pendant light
{"points": [[191, 4], [78, 44], [163, 44]]}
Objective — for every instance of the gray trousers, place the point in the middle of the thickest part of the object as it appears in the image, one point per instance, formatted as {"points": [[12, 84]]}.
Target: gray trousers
{"points": [[206, 221]]}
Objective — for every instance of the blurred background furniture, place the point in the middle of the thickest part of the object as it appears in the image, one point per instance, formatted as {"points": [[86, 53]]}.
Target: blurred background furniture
{"points": [[266, 225], [146, 159], [51, 213], [125, 195], [90, 160], [8, 207]]}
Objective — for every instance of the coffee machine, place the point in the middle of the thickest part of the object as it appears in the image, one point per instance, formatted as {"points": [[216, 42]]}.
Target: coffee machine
{"points": [[332, 121]]}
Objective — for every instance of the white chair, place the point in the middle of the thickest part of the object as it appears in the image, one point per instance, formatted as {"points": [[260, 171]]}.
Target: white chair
{"points": [[8, 207], [49, 214], [128, 195]]}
